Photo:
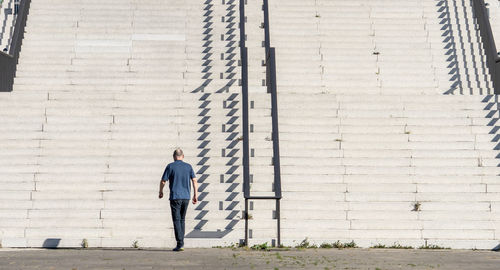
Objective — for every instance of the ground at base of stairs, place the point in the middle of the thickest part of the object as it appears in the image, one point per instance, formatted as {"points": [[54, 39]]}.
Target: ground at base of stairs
{"points": [[226, 258]]}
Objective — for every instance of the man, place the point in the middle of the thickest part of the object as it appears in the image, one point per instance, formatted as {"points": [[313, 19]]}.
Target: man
{"points": [[179, 174]]}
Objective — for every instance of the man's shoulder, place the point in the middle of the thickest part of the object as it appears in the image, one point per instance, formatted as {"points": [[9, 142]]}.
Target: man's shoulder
{"points": [[180, 164], [187, 166]]}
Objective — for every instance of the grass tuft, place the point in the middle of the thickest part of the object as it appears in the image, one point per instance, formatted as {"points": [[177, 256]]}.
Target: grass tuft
{"points": [[432, 247], [264, 247]]}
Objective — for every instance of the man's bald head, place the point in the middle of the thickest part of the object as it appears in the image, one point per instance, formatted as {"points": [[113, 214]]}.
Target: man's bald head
{"points": [[178, 154]]}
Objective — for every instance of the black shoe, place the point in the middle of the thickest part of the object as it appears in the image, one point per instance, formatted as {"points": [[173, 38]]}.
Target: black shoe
{"points": [[178, 249]]}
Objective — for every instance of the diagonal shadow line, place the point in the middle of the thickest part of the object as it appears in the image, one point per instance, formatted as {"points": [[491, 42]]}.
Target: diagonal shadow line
{"points": [[450, 45], [462, 45], [204, 136], [469, 40], [493, 112]]}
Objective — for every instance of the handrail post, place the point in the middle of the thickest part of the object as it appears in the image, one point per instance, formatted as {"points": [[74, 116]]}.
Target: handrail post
{"points": [[278, 220], [246, 222]]}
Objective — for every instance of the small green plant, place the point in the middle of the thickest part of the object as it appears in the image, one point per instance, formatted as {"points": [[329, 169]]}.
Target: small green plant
{"points": [[135, 244], [351, 244], [432, 247], [341, 245], [85, 243], [399, 246], [278, 256], [305, 244], [261, 247], [417, 207], [326, 245], [394, 246], [231, 246]]}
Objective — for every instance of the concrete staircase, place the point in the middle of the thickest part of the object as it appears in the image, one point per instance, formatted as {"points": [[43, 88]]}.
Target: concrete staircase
{"points": [[387, 124], [105, 91]]}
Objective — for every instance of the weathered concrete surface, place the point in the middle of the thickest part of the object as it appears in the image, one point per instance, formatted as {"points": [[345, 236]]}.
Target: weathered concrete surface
{"points": [[208, 259]]}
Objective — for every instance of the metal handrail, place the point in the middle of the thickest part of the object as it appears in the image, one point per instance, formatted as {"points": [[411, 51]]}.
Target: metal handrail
{"points": [[488, 40], [272, 89], [8, 61]]}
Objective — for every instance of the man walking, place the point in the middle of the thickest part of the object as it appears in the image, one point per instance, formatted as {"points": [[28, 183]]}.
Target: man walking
{"points": [[179, 174]]}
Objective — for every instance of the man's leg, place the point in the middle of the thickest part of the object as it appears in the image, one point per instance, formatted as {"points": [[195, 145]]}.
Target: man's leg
{"points": [[175, 208], [184, 206]]}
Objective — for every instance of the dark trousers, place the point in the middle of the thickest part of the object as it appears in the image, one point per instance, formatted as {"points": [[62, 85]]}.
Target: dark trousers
{"points": [[179, 209]]}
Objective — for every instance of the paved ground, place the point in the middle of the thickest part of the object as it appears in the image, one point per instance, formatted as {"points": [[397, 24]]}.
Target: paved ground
{"points": [[208, 259]]}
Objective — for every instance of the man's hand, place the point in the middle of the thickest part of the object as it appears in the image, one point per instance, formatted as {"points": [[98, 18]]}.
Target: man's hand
{"points": [[162, 185], [195, 188]]}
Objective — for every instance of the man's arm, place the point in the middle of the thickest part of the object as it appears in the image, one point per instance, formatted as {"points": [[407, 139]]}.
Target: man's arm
{"points": [[195, 188], [162, 185]]}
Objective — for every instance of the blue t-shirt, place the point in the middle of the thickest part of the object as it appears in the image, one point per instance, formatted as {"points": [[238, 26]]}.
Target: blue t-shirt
{"points": [[179, 175]]}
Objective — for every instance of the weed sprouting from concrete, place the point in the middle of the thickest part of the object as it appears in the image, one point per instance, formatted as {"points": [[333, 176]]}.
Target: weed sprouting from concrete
{"points": [[417, 207], [261, 247], [85, 243], [305, 244], [326, 245], [340, 245], [399, 246], [432, 247], [230, 246], [135, 244], [394, 246]]}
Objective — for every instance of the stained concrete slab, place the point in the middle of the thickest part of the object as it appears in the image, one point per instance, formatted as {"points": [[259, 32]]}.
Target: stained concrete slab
{"points": [[226, 258]]}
